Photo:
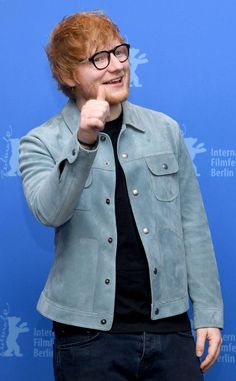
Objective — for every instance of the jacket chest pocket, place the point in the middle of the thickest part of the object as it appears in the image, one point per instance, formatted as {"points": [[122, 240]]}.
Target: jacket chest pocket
{"points": [[163, 169], [85, 197]]}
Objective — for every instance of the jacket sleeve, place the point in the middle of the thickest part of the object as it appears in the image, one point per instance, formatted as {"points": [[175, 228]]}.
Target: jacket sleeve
{"points": [[203, 278], [52, 187]]}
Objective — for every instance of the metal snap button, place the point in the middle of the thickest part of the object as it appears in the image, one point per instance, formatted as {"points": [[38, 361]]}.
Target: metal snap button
{"points": [[135, 192], [165, 166]]}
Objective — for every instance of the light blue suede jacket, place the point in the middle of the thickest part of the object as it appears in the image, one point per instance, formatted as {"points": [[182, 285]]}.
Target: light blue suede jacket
{"points": [[67, 187]]}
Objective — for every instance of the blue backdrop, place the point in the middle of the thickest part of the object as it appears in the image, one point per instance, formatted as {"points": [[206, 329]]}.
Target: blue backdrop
{"points": [[183, 61]]}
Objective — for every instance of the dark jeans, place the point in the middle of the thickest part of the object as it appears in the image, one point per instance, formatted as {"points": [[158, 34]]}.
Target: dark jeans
{"points": [[104, 356]]}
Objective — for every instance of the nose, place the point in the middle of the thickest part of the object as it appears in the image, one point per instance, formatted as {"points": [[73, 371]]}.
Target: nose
{"points": [[115, 64]]}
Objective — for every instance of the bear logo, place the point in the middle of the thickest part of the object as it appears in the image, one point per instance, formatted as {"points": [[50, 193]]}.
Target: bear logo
{"points": [[194, 149], [14, 330], [135, 60]]}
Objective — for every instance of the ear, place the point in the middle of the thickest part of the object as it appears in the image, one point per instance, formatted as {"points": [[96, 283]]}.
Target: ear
{"points": [[68, 81]]}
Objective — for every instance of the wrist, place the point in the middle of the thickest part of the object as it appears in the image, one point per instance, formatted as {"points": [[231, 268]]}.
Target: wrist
{"points": [[88, 145]]}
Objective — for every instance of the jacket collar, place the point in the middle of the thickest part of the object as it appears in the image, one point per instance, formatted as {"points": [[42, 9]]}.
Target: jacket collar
{"points": [[71, 116], [132, 116]]}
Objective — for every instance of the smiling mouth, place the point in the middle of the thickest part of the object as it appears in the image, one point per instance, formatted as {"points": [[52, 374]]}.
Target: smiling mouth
{"points": [[113, 81]]}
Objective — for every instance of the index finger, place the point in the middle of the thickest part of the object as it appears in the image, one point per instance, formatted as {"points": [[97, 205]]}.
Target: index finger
{"points": [[101, 94], [213, 353]]}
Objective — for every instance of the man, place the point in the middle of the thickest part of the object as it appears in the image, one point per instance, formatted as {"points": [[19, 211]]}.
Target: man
{"points": [[132, 243]]}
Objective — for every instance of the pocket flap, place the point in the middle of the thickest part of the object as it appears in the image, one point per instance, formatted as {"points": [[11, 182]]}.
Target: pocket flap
{"points": [[162, 164]]}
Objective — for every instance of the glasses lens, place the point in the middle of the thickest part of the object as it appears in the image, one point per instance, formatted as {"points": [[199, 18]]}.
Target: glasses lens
{"points": [[101, 60], [122, 52]]}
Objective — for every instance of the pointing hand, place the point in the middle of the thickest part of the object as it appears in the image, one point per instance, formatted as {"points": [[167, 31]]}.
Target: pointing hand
{"points": [[93, 116]]}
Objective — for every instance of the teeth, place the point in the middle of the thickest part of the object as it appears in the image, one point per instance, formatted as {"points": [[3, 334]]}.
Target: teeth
{"points": [[114, 80]]}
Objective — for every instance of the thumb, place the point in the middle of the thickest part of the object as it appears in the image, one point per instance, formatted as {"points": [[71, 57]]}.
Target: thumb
{"points": [[101, 94], [200, 344]]}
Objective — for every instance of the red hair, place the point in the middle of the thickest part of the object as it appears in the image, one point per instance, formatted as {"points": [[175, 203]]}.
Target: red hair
{"points": [[75, 38]]}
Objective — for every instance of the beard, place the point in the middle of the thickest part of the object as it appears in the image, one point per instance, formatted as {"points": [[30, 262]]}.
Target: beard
{"points": [[113, 97], [118, 97]]}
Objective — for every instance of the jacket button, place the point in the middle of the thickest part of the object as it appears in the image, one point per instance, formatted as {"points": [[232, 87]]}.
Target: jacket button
{"points": [[103, 321], [155, 270], [145, 230], [73, 152], [124, 155], [108, 201], [135, 192], [157, 311], [103, 138], [107, 281], [165, 166], [110, 240]]}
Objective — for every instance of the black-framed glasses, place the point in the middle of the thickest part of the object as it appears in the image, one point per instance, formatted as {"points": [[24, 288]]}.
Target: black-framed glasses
{"points": [[102, 59]]}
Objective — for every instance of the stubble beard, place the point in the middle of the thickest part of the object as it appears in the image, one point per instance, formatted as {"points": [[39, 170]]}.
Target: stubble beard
{"points": [[119, 96], [112, 98]]}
